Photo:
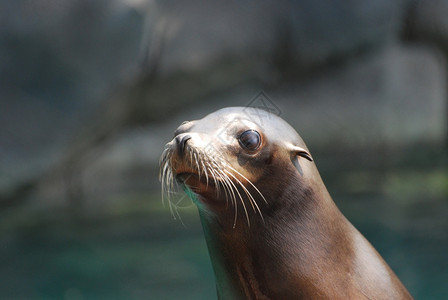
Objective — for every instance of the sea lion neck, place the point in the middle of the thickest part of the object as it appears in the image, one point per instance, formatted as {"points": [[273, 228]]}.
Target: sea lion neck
{"points": [[251, 262]]}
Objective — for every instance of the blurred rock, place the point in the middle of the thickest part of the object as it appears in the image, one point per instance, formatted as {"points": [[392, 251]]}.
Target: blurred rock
{"points": [[391, 99], [428, 21], [327, 30], [283, 33], [58, 60], [79, 76], [394, 97]]}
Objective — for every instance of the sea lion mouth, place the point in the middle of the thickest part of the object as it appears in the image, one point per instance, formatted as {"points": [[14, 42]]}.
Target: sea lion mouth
{"points": [[194, 180], [182, 177]]}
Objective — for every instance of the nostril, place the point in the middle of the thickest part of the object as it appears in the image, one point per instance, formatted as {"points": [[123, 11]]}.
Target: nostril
{"points": [[181, 141]]}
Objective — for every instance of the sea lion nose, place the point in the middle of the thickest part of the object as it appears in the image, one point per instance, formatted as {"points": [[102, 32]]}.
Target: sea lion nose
{"points": [[181, 141]]}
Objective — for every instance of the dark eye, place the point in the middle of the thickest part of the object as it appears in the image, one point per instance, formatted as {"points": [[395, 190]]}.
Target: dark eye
{"points": [[250, 140]]}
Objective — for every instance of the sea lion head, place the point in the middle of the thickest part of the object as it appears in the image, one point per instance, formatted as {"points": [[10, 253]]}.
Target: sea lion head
{"points": [[237, 157]]}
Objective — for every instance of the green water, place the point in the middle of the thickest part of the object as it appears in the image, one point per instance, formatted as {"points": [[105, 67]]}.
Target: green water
{"points": [[141, 253], [135, 250]]}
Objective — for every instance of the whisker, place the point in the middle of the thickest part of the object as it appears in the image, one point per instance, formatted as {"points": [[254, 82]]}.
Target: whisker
{"points": [[222, 176], [248, 181], [233, 199], [226, 187], [196, 158], [241, 199], [252, 201], [205, 171]]}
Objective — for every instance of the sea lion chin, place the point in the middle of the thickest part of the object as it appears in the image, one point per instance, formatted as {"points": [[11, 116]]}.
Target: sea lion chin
{"points": [[272, 229]]}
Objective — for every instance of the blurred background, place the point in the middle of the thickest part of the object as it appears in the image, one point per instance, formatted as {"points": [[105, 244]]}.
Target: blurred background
{"points": [[90, 92]]}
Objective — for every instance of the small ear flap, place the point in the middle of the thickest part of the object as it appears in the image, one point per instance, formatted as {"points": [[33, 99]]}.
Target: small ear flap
{"points": [[302, 152]]}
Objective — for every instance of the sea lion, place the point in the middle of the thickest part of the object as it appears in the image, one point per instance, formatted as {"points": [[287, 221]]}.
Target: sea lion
{"points": [[272, 229]]}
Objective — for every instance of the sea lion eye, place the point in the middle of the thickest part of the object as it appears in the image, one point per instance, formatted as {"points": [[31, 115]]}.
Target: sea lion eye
{"points": [[250, 140]]}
